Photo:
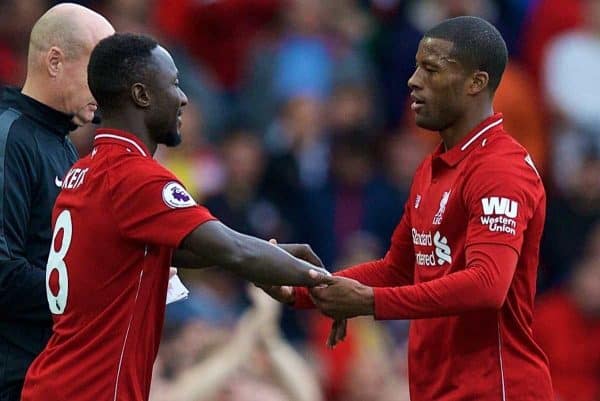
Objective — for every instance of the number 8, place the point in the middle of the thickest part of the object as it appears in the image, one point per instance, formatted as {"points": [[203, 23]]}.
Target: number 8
{"points": [[56, 261]]}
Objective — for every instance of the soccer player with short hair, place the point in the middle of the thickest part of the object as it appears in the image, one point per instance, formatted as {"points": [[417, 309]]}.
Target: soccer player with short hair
{"points": [[463, 260], [119, 222]]}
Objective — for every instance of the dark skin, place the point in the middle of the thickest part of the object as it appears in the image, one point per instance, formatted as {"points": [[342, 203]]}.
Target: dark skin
{"points": [[447, 97], [152, 111]]}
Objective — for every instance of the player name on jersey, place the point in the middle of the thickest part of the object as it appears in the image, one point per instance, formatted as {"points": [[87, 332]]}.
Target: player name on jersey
{"points": [[74, 178]]}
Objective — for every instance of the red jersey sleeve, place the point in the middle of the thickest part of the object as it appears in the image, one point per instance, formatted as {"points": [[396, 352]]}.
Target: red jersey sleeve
{"points": [[152, 206], [482, 285], [395, 269], [501, 198]]}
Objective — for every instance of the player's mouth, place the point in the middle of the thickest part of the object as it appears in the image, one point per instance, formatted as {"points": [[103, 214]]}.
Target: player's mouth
{"points": [[417, 103], [179, 121]]}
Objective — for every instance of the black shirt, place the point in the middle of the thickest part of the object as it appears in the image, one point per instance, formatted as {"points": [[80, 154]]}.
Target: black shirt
{"points": [[35, 154]]}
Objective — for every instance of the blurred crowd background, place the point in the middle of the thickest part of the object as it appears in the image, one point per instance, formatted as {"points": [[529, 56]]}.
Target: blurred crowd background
{"points": [[298, 128]]}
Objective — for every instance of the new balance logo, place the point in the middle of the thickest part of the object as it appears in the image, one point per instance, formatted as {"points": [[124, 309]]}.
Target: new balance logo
{"points": [[495, 205]]}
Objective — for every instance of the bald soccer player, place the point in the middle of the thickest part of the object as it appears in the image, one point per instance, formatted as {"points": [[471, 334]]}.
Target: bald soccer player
{"points": [[35, 153]]}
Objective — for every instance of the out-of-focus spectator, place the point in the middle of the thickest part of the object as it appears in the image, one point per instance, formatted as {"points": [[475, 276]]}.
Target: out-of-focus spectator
{"points": [[567, 326], [338, 208], [230, 369], [570, 216], [372, 373], [545, 20], [129, 15], [16, 19], [217, 33], [298, 156], [517, 99], [239, 203], [351, 106], [401, 155], [310, 56], [572, 89]]}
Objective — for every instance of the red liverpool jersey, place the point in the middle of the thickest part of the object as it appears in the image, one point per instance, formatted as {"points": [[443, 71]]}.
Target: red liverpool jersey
{"points": [[472, 212], [117, 220]]}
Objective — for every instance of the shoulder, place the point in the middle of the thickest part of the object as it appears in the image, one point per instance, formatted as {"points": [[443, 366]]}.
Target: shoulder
{"points": [[502, 156], [129, 172], [18, 138], [130, 164], [502, 167], [16, 129]]}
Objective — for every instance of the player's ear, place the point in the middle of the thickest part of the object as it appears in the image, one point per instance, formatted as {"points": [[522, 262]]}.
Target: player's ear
{"points": [[140, 95], [479, 81]]}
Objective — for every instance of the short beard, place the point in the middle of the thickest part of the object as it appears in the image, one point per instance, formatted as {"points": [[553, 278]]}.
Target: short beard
{"points": [[172, 139]]}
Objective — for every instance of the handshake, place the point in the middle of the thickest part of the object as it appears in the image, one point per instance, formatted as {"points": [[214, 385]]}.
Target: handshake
{"points": [[337, 297]]}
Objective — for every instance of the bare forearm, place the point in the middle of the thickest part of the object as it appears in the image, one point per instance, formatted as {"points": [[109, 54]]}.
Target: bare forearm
{"points": [[251, 258], [264, 263]]}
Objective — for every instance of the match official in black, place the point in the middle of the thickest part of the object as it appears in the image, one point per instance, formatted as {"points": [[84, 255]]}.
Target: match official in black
{"points": [[35, 153]]}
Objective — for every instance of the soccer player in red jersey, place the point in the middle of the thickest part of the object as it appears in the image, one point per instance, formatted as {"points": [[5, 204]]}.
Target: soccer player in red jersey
{"points": [[120, 221], [463, 260]]}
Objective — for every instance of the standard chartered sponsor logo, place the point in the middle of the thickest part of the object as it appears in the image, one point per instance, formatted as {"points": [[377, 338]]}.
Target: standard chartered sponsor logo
{"points": [[439, 255], [421, 238], [442, 249]]}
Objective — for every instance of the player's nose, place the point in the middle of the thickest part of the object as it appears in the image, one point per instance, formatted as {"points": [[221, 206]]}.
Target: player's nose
{"points": [[183, 100], [414, 82]]}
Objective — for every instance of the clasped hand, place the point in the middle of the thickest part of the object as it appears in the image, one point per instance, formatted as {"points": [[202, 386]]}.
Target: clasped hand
{"points": [[337, 297], [342, 298]]}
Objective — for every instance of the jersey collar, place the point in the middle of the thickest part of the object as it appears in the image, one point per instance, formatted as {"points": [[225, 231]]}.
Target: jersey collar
{"points": [[477, 135], [57, 122], [122, 138]]}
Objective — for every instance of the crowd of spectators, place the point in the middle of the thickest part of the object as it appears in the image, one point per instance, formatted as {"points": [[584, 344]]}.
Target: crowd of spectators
{"points": [[298, 128]]}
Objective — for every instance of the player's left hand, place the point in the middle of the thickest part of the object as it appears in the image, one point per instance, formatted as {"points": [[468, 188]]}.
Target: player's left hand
{"points": [[337, 332], [343, 298]]}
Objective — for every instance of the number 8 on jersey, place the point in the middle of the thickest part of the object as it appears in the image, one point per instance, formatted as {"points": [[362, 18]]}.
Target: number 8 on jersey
{"points": [[56, 261]]}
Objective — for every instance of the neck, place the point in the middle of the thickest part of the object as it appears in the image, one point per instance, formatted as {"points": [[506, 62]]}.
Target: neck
{"points": [[132, 123], [42, 92], [461, 128]]}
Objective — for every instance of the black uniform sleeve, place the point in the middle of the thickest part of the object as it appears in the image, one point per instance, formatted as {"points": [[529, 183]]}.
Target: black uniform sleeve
{"points": [[22, 286]]}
